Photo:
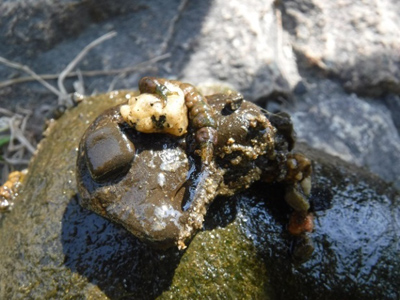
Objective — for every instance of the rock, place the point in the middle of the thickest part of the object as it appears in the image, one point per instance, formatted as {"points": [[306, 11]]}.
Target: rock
{"points": [[355, 129], [53, 248], [264, 49], [249, 56], [360, 48], [205, 43], [356, 53], [393, 104]]}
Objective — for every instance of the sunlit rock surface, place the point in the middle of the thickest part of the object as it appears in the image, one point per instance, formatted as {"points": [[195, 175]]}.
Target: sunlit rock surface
{"points": [[360, 48]]}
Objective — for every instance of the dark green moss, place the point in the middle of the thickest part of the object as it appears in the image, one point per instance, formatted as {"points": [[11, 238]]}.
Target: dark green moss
{"points": [[220, 264]]}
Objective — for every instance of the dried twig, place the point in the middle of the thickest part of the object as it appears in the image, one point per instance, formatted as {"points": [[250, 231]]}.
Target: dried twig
{"points": [[76, 60], [92, 73], [15, 161], [32, 73], [171, 27], [18, 134], [18, 150], [20, 147]]}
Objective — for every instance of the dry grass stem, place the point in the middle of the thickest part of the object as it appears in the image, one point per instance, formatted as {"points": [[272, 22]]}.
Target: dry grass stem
{"points": [[15, 153], [76, 60], [21, 145], [92, 73], [30, 72]]}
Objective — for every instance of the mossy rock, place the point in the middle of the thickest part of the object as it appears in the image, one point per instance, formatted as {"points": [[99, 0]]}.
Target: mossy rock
{"points": [[51, 248]]}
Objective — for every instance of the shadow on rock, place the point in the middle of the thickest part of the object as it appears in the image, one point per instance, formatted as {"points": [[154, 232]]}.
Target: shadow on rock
{"points": [[119, 263], [113, 259]]}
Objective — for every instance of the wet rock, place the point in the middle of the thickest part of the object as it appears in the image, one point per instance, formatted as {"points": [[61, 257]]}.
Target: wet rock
{"points": [[53, 248], [248, 46], [162, 194], [108, 152]]}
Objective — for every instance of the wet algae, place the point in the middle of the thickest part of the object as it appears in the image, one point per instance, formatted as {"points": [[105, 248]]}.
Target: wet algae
{"points": [[52, 248], [206, 273]]}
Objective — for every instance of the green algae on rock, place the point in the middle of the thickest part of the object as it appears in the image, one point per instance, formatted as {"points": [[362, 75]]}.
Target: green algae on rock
{"points": [[204, 273], [34, 256], [52, 248], [62, 250]]}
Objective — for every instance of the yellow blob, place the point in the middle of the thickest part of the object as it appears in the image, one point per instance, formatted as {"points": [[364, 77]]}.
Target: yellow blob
{"points": [[150, 113]]}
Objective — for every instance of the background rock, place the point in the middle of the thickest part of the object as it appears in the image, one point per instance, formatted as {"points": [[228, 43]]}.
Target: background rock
{"points": [[356, 53], [357, 130], [360, 47]]}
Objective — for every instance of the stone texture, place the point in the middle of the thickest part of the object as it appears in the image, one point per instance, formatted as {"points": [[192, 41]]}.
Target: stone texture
{"points": [[204, 41], [355, 41], [393, 104], [357, 130], [52, 248], [246, 56]]}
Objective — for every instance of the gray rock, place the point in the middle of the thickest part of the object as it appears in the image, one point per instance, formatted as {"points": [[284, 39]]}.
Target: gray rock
{"points": [[247, 56], [393, 104], [205, 43], [357, 130], [355, 41]]}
